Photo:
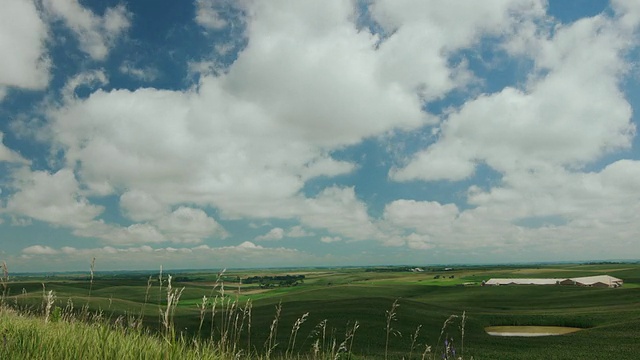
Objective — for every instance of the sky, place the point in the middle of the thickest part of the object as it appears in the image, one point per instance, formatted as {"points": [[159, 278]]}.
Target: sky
{"points": [[245, 133]]}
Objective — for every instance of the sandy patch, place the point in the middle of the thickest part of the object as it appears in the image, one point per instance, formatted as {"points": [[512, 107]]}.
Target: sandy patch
{"points": [[529, 331]]}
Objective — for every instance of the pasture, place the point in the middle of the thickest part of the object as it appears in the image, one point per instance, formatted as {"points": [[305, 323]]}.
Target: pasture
{"points": [[340, 297]]}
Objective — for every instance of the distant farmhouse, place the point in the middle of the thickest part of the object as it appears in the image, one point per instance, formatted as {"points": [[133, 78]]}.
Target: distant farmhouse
{"points": [[593, 281]]}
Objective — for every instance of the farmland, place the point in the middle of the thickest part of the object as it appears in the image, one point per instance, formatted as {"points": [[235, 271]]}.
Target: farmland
{"points": [[609, 318]]}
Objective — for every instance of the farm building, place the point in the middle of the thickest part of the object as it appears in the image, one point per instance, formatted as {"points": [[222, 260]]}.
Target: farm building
{"points": [[594, 281], [523, 281]]}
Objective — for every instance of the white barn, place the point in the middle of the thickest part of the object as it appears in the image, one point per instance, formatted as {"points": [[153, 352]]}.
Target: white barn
{"points": [[532, 281], [595, 281]]}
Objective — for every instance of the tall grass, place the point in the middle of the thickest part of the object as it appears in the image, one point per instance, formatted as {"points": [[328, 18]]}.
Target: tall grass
{"points": [[25, 337], [391, 317], [4, 281], [63, 333]]}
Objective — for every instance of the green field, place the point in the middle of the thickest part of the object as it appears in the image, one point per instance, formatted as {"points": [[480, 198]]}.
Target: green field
{"points": [[610, 318]]}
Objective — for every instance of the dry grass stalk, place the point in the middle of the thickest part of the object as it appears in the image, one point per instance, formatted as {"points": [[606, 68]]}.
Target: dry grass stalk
{"points": [[351, 335], [391, 317], [203, 308], [463, 323], [414, 339], [173, 297], [68, 310], [146, 299], [319, 333], [347, 345], [92, 268], [444, 327], [48, 299], [214, 303], [247, 312], [294, 333], [427, 350], [271, 342], [4, 280]]}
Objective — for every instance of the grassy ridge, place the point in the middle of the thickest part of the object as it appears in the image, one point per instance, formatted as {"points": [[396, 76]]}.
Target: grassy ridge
{"points": [[340, 297], [25, 337]]}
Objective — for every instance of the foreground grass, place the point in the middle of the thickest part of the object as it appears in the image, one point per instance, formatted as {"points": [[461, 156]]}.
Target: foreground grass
{"points": [[26, 337], [320, 317]]}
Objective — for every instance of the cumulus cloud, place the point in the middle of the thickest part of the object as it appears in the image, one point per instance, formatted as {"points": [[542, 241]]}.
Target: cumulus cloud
{"points": [[210, 14], [183, 225], [569, 115], [188, 225], [628, 11], [140, 206], [91, 79], [145, 73], [425, 34], [425, 216], [51, 197], [147, 257], [23, 37], [538, 213], [315, 79], [39, 250], [96, 34], [140, 233], [298, 231], [273, 234], [330, 239], [9, 155], [339, 211], [245, 141]]}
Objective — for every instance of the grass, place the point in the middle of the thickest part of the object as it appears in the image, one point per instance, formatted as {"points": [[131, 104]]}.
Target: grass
{"points": [[348, 313], [28, 337]]}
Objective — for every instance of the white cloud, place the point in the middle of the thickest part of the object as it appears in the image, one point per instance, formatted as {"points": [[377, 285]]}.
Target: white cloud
{"points": [[189, 225], [54, 198], [247, 138], [39, 250], [140, 233], [424, 216], [326, 166], [96, 34], [23, 36], [245, 141], [146, 73], [92, 78], [245, 245], [298, 231], [425, 33], [332, 61], [183, 225], [570, 114], [330, 239], [146, 257], [273, 234], [210, 14], [531, 214], [430, 224], [418, 242], [9, 155], [140, 206], [339, 211], [607, 196], [629, 12]]}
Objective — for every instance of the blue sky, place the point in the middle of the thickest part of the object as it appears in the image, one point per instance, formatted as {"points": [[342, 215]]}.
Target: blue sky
{"points": [[220, 133]]}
